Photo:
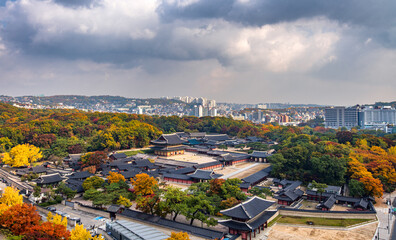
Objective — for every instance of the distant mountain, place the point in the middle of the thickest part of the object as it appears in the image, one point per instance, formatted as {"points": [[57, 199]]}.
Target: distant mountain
{"points": [[78, 100], [380, 104]]}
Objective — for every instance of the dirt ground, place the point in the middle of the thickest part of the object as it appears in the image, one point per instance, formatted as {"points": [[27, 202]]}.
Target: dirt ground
{"points": [[250, 171], [281, 232], [193, 157]]}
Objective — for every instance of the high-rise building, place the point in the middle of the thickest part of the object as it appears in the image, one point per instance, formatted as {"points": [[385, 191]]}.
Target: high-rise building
{"points": [[336, 117], [198, 110]]}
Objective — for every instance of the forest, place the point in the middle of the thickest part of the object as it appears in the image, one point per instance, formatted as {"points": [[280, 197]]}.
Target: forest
{"points": [[364, 159]]}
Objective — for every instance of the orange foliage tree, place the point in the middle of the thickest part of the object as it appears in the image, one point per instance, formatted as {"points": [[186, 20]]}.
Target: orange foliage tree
{"points": [[20, 218], [115, 177], [46, 231], [143, 184], [215, 185]]}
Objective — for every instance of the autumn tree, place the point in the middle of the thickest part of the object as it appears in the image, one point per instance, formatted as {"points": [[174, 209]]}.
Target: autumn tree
{"points": [[10, 198], [143, 184], [115, 177], [215, 185], [93, 182], [95, 159], [57, 219], [124, 201], [20, 218], [5, 144], [150, 204], [228, 203], [80, 233], [22, 155], [179, 236], [46, 231]]}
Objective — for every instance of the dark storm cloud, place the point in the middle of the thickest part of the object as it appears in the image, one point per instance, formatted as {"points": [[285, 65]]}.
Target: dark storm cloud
{"points": [[378, 17]]}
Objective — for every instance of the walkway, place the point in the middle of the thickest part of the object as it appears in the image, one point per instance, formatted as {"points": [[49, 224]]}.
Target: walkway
{"points": [[239, 171]]}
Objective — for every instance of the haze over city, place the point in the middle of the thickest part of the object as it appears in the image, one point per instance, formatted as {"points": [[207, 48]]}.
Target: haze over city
{"points": [[332, 52]]}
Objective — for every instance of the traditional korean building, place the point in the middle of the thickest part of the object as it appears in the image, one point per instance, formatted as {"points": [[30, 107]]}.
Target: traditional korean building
{"points": [[249, 217], [168, 145], [313, 194], [259, 156], [204, 175], [49, 180], [290, 193]]}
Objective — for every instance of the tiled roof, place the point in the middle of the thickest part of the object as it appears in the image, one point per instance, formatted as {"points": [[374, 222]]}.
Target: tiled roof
{"points": [[204, 175], [168, 139], [329, 203], [80, 175], [259, 154], [248, 209], [118, 155], [256, 177], [48, 179], [217, 137]]}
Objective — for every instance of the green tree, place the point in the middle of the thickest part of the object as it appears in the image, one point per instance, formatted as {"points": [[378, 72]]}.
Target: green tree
{"points": [[356, 188], [198, 207], [94, 182], [175, 199], [320, 187], [65, 191], [36, 191]]}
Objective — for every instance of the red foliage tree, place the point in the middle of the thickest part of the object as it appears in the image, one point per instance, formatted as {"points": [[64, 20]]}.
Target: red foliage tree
{"points": [[20, 218], [47, 231]]}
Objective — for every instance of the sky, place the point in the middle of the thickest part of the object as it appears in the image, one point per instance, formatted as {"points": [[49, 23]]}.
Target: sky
{"points": [[338, 52]]}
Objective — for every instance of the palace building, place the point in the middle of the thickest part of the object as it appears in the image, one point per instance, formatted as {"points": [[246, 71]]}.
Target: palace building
{"points": [[249, 217], [168, 145]]}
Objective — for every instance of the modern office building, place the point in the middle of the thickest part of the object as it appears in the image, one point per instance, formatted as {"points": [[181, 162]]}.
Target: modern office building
{"points": [[336, 117], [377, 118]]}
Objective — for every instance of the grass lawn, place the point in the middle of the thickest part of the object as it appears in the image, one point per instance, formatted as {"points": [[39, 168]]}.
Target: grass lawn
{"points": [[321, 221], [273, 221], [133, 153]]}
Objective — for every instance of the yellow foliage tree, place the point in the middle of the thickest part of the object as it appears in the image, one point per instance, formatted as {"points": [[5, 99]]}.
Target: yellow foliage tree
{"points": [[143, 184], [392, 150], [115, 177], [57, 219], [10, 198], [179, 236], [22, 155], [80, 233], [124, 201]]}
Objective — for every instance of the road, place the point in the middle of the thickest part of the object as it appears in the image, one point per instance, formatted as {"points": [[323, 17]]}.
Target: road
{"points": [[393, 237], [15, 181], [386, 219]]}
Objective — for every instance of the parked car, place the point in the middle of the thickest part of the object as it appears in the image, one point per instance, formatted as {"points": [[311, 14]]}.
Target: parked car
{"points": [[65, 215], [59, 212], [52, 209]]}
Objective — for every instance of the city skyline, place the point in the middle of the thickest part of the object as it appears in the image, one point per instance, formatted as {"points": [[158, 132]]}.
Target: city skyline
{"points": [[328, 53]]}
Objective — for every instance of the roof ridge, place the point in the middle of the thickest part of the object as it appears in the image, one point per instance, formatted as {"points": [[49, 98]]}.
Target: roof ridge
{"points": [[246, 212]]}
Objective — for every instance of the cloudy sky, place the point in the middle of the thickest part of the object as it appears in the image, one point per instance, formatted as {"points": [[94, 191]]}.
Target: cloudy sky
{"points": [[249, 51]]}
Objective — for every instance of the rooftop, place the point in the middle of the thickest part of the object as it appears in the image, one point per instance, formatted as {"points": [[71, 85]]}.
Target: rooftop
{"points": [[248, 209]]}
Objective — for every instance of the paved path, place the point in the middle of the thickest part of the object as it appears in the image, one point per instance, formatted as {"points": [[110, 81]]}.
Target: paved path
{"points": [[386, 219], [239, 171]]}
